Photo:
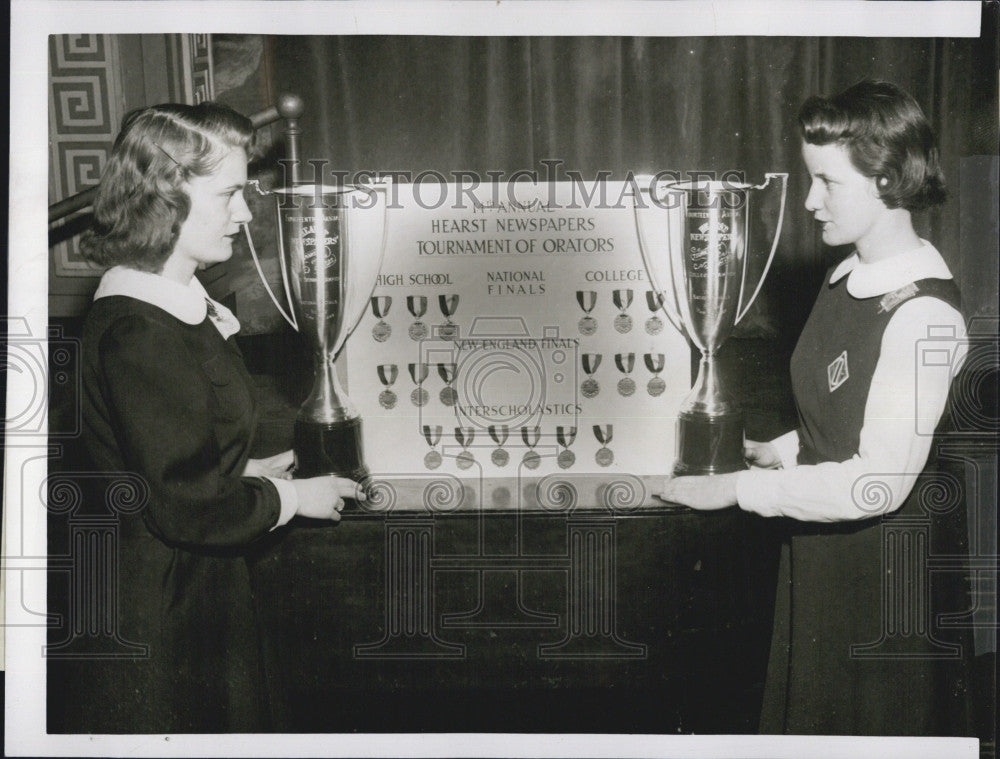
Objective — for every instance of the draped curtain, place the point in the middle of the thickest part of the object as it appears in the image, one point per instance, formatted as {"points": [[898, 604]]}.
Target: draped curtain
{"points": [[636, 104]]}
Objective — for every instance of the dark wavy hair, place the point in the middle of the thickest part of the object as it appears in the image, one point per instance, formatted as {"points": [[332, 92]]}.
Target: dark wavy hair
{"points": [[887, 138], [141, 203]]}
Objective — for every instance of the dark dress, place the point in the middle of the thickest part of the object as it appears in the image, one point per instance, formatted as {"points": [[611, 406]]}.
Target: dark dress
{"points": [[173, 403], [858, 650]]}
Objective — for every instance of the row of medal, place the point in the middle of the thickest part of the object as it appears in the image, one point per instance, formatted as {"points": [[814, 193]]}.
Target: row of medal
{"points": [[530, 436], [622, 299], [587, 300], [417, 306], [590, 388]]}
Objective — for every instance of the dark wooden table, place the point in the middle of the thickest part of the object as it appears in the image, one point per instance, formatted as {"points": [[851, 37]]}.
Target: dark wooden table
{"points": [[586, 621]]}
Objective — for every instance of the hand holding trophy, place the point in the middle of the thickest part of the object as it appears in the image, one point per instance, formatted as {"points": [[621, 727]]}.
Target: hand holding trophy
{"points": [[331, 240], [695, 243]]}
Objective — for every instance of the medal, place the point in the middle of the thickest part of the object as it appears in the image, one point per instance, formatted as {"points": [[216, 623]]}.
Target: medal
{"points": [[625, 362], [604, 456], [448, 304], [417, 306], [432, 435], [654, 324], [464, 436], [499, 434], [418, 373], [587, 299], [387, 374], [380, 307], [565, 436], [654, 362], [448, 395], [589, 386], [530, 436], [622, 299]]}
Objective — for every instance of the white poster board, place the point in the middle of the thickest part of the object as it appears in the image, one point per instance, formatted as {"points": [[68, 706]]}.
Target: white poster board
{"points": [[514, 331]]}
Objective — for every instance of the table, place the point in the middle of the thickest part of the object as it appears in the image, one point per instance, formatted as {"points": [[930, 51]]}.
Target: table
{"points": [[580, 620]]}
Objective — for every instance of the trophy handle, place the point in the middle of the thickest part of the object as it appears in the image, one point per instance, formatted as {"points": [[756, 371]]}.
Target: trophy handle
{"points": [[774, 245], [290, 315], [667, 298], [379, 187]]}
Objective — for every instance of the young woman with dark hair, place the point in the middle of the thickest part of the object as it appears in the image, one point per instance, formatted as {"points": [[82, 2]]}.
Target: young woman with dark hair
{"points": [[867, 406], [166, 396]]}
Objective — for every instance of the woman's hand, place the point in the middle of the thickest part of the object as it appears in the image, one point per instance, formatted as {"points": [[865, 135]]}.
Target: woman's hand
{"points": [[705, 493], [761, 455], [323, 497], [279, 466]]}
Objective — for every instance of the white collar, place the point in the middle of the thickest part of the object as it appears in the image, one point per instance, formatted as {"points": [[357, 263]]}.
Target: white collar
{"points": [[187, 303], [889, 274]]}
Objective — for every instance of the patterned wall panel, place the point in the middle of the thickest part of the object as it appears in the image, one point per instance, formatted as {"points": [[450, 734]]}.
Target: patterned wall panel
{"points": [[89, 93], [201, 68], [189, 58], [85, 109]]}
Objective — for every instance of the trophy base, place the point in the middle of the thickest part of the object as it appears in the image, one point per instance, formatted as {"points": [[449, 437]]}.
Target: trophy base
{"points": [[329, 448], [709, 444]]}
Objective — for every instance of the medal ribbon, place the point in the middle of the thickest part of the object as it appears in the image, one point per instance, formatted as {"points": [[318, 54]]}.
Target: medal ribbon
{"points": [[625, 362], [449, 304], [530, 435], [654, 362], [465, 435], [416, 305], [565, 436], [590, 362], [380, 305], [618, 296], [499, 433], [447, 372], [418, 372], [654, 300], [604, 434], [387, 373], [587, 299], [432, 434]]}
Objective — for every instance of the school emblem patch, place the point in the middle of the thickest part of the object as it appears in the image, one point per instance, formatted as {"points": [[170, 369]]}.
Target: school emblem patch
{"points": [[837, 372]]}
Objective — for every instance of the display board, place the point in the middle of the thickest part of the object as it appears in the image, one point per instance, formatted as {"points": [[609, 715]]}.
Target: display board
{"points": [[514, 332]]}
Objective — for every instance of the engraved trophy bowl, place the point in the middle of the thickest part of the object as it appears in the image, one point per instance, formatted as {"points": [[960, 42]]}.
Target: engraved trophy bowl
{"points": [[331, 240], [695, 239]]}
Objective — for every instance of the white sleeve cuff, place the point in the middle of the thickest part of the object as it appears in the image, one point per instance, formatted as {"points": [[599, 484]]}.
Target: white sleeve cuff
{"points": [[787, 447], [289, 500]]}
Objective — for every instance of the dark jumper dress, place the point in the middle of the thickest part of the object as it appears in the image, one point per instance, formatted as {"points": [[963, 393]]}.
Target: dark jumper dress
{"points": [[855, 666], [174, 403]]}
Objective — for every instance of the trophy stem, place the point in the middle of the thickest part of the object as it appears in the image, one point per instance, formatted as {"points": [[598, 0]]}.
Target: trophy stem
{"points": [[707, 396], [328, 429], [709, 427], [327, 401]]}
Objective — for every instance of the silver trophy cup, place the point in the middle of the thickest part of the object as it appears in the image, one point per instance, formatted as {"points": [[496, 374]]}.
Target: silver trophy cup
{"points": [[695, 239], [331, 240]]}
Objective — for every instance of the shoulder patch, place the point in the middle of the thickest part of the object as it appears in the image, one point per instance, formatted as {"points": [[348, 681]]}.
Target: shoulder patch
{"points": [[942, 289], [890, 300]]}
